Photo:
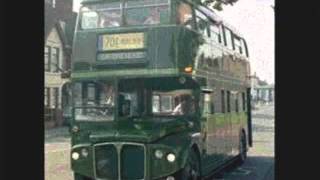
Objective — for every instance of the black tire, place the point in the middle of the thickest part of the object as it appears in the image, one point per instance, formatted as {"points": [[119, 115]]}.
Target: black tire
{"points": [[242, 148], [80, 177], [192, 169]]}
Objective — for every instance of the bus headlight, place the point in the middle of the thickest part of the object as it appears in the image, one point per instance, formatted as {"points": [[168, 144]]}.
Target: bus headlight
{"points": [[75, 156], [158, 153], [84, 152], [171, 157]]}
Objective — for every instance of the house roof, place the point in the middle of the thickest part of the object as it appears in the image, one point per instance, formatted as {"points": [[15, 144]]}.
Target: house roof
{"points": [[52, 20]]}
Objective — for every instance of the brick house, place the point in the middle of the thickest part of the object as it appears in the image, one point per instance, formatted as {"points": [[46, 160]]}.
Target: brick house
{"points": [[59, 29]]}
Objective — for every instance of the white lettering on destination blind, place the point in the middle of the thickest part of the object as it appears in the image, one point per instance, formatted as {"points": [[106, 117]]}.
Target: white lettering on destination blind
{"points": [[127, 55]]}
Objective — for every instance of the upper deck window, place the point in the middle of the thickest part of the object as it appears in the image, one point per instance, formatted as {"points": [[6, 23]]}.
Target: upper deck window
{"points": [[202, 23], [184, 15], [147, 12], [215, 33], [244, 47], [101, 15], [142, 12], [237, 45], [228, 36]]}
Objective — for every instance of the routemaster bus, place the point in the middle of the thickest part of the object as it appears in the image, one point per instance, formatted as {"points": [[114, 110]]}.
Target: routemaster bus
{"points": [[160, 90]]}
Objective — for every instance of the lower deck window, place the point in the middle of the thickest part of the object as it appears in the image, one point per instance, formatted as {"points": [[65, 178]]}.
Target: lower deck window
{"points": [[178, 102]]}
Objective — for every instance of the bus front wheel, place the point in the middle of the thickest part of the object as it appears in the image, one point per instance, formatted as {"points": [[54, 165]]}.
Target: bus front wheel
{"points": [[242, 148], [192, 169], [80, 177]]}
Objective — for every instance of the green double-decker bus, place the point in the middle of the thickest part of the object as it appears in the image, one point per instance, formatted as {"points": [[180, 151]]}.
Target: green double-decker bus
{"points": [[160, 90]]}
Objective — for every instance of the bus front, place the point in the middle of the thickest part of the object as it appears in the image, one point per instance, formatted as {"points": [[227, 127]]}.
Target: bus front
{"points": [[135, 103]]}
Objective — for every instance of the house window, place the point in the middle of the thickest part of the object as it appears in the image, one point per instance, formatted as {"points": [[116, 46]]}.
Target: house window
{"points": [[54, 98], [46, 97], [54, 59], [47, 58]]}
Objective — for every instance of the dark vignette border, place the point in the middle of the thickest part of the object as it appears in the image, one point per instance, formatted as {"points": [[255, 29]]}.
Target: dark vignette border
{"points": [[22, 38]]}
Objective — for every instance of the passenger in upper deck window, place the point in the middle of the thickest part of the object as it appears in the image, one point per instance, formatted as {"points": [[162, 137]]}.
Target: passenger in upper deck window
{"points": [[184, 14], [109, 20], [154, 17]]}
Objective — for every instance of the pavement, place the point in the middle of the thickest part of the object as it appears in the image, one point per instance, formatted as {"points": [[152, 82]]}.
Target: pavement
{"points": [[57, 154], [258, 166]]}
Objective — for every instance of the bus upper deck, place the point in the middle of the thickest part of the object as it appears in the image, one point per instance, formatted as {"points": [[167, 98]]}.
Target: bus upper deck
{"points": [[155, 38]]}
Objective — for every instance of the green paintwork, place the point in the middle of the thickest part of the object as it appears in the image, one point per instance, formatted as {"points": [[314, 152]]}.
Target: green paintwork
{"points": [[137, 72], [169, 49]]}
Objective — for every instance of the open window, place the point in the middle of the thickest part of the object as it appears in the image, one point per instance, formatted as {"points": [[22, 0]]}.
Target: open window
{"points": [[185, 15], [207, 102], [202, 23], [173, 103]]}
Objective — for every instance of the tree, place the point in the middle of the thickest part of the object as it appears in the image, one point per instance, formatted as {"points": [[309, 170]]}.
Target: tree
{"points": [[272, 7], [217, 4]]}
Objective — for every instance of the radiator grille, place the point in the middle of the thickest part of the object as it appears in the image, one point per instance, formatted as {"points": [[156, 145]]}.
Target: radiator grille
{"points": [[106, 159], [129, 157], [132, 162]]}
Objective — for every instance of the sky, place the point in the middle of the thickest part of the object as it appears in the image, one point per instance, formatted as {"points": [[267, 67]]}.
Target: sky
{"points": [[254, 19]]}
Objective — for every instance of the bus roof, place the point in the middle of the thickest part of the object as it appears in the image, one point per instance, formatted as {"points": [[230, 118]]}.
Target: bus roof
{"points": [[215, 17]]}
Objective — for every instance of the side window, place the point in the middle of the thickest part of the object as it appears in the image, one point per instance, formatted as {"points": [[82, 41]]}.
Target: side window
{"points": [[208, 105], [243, 101], [228, 38], [215, 33], [223, 110], [244, 47], [228, 102], [184, 15], [240, 103], [47, 57], [237, 45], [212, 109], [202, 23], [236, 103]]}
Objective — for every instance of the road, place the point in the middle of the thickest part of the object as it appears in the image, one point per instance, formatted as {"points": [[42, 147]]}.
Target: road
{"points": [[258, 166]]}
